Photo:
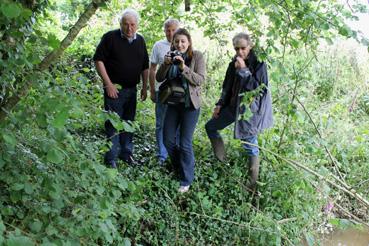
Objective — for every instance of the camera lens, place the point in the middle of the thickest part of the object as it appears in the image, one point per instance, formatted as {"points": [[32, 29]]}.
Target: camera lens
{"points": [[176, 62]]}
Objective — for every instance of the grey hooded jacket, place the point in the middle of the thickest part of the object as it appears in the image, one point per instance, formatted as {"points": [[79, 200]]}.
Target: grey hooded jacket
{"points": [[248, 79]]}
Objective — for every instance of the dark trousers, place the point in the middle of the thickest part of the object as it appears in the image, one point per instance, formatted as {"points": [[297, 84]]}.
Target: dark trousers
{"points": [[226, 117], [181, 154], [125, 107]]}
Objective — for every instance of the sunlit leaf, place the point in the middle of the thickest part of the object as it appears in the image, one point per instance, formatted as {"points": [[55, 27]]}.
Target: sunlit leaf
{"points": [[19, 241], [55, 156], [10, 139], [53, 41], [11, 10], [128, 127], [126, 242], [60, 119], [36, 226]]}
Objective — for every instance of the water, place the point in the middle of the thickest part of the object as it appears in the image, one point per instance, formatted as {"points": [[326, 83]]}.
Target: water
{"points": [[348, 237]]}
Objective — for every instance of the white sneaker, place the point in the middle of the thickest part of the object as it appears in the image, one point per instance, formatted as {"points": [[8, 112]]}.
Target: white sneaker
{"points": [[183, 188]]}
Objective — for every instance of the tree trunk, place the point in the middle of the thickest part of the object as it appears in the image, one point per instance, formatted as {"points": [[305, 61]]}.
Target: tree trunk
{"points": [[9, 103]]}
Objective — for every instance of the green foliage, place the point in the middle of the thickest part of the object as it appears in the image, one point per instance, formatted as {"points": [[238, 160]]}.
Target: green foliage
{"points": [[59, 191], [364, 103], [55, 189], [247, 98]]}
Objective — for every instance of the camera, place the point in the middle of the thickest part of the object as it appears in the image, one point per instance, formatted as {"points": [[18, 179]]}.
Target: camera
{"points": [[173, 54]]}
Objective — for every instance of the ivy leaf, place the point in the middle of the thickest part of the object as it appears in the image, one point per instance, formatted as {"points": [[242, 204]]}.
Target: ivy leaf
{"points": [[10, 139], [294, 43], [41, 120], [26, 13], [28, 188], [325, 26], [60, 119], [126, 242], [17, 186], [36, 226], [128, 127], [111, 173], [2, 227], [55, 156], [19, 241], [11, 10], [122, 184], [345, 31]]}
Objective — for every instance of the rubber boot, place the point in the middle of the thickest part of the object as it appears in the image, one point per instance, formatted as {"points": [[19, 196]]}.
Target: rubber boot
{"points": [[254, 165], [218, 147]]}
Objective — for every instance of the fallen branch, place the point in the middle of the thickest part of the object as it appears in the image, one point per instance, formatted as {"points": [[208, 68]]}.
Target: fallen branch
{"points": [[231, 222], [360, 221], [282, 221], [351, 192], [239, 224]]}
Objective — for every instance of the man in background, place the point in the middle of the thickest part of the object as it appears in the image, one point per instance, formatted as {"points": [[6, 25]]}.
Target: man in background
{"points": [[159, 50]]}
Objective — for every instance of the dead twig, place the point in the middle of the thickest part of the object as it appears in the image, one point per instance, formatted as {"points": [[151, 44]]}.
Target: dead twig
{"points": [[357, 219], [346, 189]]}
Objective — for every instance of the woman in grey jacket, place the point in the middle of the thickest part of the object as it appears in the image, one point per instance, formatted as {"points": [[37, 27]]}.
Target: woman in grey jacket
{"points": [[245, 76], [187, 67]]}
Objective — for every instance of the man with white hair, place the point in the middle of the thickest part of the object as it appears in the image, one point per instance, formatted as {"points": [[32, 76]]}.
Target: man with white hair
{"points": [[159, 50], [121, 58]]}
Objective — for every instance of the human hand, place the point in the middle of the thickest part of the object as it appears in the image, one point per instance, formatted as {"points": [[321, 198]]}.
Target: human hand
{"points": [[112, 91], [143, 94], [216, 112], [240, 63], [181, 62], [167, 59]]}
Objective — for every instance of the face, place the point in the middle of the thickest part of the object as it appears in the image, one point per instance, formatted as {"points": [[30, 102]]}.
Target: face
{"points": [[169, 32], [242, 48], [129, 26], [181, 43]]}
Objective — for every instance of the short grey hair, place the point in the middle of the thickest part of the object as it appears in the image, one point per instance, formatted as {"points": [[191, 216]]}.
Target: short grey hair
{"points": [[170, 22], [130, 12], [242, 35]]}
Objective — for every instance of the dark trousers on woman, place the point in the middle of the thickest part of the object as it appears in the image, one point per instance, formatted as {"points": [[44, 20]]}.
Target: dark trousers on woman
{"points": [[125, 107], [181, 154]]}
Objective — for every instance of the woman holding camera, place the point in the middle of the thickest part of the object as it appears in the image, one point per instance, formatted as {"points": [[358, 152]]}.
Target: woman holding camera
{"points": [[245, 75], [184, 67]]}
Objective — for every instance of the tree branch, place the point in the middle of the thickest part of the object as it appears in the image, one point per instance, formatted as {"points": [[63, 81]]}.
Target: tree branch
{"points": [[320, 135], [9, 103]]}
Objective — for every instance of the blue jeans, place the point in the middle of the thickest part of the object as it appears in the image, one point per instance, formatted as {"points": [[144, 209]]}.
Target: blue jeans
{"points": [[181, 154], [125, 107], [160, 110], [226, 117]]}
